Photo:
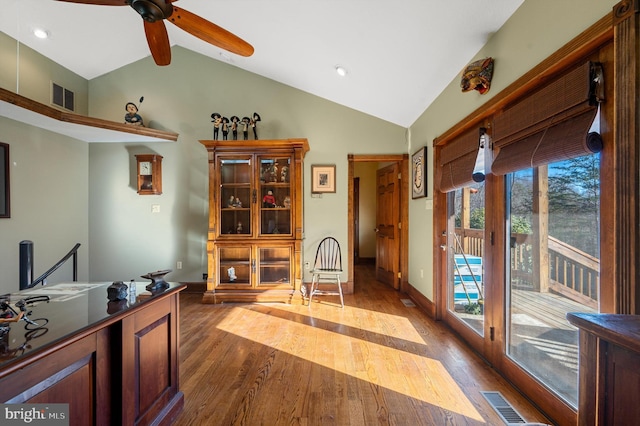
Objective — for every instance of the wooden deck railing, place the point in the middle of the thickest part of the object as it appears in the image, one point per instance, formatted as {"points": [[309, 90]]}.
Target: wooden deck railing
{"points": [[572, 273]]}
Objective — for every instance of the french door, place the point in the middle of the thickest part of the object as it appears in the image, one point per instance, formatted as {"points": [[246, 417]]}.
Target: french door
{"points": [[515, 266]]}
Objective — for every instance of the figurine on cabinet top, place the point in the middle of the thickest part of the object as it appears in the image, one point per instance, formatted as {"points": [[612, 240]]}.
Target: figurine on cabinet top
{"points": [[254, 120], [132, 116], [226, 124], [245, 127], [217, 121], [234, 126], [225, 128]]}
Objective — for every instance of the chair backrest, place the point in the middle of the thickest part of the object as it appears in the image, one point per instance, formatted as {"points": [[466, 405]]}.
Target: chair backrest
{"points": [[328, 255]]}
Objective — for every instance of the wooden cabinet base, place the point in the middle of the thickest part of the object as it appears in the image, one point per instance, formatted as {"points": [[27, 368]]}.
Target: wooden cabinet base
{"points": [[170, 411], [221, 296]]}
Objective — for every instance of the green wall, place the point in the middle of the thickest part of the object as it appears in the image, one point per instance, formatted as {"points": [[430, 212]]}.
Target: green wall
{"points": [[49, 173], [49, 202], [26, 72], [128, 240]]}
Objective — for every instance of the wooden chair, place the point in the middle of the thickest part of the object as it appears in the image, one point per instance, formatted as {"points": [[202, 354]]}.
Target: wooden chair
{"points": [[327, 269]]}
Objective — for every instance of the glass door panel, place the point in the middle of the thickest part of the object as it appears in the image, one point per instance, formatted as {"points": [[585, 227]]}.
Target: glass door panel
{"points": [[553, 258], [275, 267], [235, 266], [465, 296], [235, 196], [275, 193]]}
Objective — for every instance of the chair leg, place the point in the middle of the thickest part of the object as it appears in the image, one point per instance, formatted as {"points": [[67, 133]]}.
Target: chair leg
{"points": [[312, 288], [340, 291]]}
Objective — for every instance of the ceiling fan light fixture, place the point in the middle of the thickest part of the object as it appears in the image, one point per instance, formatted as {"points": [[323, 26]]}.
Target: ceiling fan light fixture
{"points": [[151, 11], [40, 33], [342, 71]]}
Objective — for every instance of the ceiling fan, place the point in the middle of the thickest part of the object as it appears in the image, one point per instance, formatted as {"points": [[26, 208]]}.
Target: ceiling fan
{"points": [[154, 12]]}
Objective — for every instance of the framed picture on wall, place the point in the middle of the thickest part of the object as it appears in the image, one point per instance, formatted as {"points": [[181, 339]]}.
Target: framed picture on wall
{"points": [[419, 173], [323, 178], [4, 181]]}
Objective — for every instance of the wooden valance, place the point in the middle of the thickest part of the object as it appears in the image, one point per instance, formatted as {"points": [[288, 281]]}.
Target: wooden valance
{"points": [[551, 124]]}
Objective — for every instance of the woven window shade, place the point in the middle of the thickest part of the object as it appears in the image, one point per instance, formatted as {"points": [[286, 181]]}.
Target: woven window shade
{"points": [[549, 125], [457, 160]]}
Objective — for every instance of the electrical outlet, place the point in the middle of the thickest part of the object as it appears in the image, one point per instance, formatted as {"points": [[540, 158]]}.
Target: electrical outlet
{"points": [[205, 276], [155, 208], [179, 264], [307, 265]]}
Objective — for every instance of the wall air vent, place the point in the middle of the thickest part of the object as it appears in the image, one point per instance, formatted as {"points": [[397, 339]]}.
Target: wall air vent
{"points": [[62, 97]]}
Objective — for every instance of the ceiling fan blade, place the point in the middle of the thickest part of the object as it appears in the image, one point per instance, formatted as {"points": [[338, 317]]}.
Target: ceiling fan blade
{"points": [[100, 2], [158, 41], [209, 32]]}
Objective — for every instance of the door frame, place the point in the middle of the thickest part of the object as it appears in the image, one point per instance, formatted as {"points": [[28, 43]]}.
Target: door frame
{"points": [[403, 256], [356, 220]]}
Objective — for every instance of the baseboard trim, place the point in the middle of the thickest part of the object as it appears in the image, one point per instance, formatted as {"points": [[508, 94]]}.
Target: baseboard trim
{"points": [[423, 303], [198, 287]]}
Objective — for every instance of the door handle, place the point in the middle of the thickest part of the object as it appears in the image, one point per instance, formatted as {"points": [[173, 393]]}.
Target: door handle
{"points": [[376, 229], [443, 247]]}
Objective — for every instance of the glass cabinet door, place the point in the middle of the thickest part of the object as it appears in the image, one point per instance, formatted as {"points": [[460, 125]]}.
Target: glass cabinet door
{"points": [[275, 195], [235, 196], [274, 266], [235, 265]]}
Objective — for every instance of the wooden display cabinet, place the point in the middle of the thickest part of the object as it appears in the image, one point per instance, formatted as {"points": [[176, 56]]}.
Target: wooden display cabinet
{"points": [[254, 241]]}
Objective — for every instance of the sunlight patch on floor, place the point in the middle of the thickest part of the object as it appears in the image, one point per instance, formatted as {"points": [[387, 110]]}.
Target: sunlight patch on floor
{"points": [[428, 380], [352, 317]]}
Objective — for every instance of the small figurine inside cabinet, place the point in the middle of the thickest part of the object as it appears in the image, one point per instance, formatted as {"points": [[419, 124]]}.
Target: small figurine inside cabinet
{"points": [[269, 200]]}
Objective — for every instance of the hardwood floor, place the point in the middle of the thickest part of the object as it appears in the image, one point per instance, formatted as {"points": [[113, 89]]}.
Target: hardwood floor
{"points": [[376, 361]]}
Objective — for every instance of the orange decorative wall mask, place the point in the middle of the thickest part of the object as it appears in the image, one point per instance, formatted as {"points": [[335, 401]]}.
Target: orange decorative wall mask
{"points": [[477, 76]]}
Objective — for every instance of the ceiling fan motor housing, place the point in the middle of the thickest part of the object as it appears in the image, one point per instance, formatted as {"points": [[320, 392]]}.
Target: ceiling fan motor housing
{"points": [[152, 10]]}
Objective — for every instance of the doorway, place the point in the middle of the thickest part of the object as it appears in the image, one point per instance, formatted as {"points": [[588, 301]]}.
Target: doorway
{"points": [[400, 250]]}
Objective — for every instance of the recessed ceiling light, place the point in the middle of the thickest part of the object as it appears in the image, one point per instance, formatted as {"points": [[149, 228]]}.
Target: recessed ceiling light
{"points": [[40, 33], [342, 71]]}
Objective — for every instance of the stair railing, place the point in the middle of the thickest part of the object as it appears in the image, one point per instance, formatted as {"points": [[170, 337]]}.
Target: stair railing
{"points": [[42, 279]]}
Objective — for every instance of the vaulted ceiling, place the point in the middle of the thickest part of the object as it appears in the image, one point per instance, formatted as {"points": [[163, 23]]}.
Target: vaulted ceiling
{"points": [[399, 55]]}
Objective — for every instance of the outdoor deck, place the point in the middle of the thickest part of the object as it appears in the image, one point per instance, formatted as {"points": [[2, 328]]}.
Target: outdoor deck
{"points": [[548, 308]]}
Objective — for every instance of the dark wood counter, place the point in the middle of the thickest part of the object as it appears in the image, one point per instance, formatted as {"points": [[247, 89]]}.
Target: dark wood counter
{"points": [[112, 362], [609, 379]]}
